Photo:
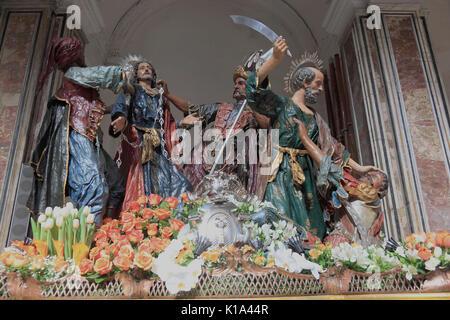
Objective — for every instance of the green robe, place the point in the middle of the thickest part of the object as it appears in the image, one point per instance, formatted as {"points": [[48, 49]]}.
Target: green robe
{"points": [[300, 203]]}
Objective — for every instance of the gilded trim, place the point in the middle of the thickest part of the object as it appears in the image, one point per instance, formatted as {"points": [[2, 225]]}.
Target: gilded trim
{"points": [[67, 145]]}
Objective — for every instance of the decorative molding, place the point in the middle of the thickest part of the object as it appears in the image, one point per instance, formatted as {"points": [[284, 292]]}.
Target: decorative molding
{"points": [[339, 16]]}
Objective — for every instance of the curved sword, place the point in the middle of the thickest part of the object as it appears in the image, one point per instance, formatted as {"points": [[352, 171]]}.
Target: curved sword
{"points": [[259, 27]]}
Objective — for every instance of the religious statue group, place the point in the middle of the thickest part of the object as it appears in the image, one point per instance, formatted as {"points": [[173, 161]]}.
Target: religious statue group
{"points": [[313, 180]]}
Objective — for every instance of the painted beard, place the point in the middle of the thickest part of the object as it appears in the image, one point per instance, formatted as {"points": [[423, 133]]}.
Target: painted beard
{"points": [[311, 95], [240, 96]]}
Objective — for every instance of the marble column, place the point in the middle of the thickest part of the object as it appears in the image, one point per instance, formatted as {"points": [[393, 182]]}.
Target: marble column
{"points": [[401, 110]]}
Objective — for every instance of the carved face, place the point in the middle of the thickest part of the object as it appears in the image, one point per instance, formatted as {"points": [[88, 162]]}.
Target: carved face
{"points": [[315, 87], [373, 178], [144, 71], [239, 89]]}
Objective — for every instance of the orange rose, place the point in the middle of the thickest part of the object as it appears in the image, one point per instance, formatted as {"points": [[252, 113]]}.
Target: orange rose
{"points": [[431, 238], [176, 224], [138, 223], [440, 236], [142, 200], [100, 234], [94, 254], [152, 229], [172, 201], [144, 246], [6, 258], [134, 206], [119, 244], [59, 264], [123, 263], [143, 260], [102, 265], [128, 227], [85, 266], [18, 260], [424, 253], [115, 235], [102, 243], [126, 252], [147, 213], [107, 220], [135, 236], [185, 197], [321, 247], [166, 232], [154, 199], [158, 244], [127, 217], [447, 241], [161, 213]]}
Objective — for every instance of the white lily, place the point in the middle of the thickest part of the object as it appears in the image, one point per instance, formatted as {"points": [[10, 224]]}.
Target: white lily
{"points": [[400, 251], [432, 263], [437, 252]]}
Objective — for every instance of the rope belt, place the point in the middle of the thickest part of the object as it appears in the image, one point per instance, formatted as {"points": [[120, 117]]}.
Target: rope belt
{"points": [[150, 141], [298, 175]]}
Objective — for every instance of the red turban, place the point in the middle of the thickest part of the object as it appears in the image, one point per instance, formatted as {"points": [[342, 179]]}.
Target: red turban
{"points": [[64, 52]]}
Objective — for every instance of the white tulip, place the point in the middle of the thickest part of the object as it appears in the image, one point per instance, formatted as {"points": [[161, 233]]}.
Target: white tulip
{"points": [[86, 210], [48, 225], [65, 212], [76, 224], [59, 221], [56, 211], [69, 206], [48, 211], [90, 218], [42, 219], [74, 213]]}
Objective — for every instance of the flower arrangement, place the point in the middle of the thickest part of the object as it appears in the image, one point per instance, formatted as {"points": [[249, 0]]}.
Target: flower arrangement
{"points": [[422, 252], [268, 233], [135, 241], [31, 263], [61, 239], [177, 266], [65, 232]]}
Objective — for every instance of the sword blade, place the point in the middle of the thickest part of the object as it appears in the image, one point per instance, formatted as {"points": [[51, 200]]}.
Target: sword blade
{"points": [[257, 26]]}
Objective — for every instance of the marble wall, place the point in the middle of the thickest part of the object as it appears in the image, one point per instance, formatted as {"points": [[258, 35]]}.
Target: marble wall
{"points": [[421, 120], [16, 51], [407, 125]]}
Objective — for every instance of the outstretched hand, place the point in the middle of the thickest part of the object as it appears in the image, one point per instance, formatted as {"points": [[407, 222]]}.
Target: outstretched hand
{"points": [[191, 119]]}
